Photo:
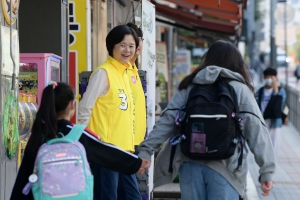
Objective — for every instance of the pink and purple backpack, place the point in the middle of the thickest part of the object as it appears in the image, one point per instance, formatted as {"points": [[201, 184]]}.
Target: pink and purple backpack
{"points": [[61, 170]]}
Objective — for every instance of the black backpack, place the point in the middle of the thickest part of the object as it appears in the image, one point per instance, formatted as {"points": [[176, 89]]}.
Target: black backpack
{"points": [[211, 126]]}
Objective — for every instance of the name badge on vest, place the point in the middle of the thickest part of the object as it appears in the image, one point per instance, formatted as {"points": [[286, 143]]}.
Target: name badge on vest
{"points": [[133, 79]]}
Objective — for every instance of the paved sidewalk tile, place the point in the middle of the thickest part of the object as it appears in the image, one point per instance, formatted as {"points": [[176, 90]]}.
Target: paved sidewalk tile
{"points": [[287, 176]]}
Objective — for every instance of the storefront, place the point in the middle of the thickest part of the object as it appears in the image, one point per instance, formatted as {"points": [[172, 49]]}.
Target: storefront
{"points": [[187, 28]]}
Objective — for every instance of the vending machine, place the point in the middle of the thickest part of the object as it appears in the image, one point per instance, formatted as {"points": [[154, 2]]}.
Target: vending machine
{"points": [[36, 71]]}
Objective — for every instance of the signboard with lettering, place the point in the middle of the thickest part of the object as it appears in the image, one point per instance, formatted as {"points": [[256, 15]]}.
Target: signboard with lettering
{"points": [[149, 65], [77, 42]]}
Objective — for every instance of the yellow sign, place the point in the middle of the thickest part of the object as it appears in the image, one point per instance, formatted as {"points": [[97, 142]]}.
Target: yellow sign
{"points": [[78, 35], [77, 44]]}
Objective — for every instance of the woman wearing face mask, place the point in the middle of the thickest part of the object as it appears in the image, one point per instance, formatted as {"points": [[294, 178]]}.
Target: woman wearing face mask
{"points": [[107, 108], [267, 102]]}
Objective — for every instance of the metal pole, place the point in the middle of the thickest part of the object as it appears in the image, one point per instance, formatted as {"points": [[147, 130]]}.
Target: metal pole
{"points": [[11, 51], [250, 32], [67, 43], [1, 90], [273, 62], [285, 44], [171, 54]]}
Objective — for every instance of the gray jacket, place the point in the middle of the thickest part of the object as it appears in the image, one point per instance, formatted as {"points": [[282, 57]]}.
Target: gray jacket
{"points": [[254, 129]]}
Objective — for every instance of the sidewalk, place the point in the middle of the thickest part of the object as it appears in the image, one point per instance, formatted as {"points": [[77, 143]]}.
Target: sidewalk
{"points": [[287, 176]]}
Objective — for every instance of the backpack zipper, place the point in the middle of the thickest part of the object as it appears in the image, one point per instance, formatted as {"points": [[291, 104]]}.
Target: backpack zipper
{"points": [[208, 116], [63, 161]]}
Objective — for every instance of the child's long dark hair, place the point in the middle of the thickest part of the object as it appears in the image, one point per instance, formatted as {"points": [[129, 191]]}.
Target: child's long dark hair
{"points": [[54, 101]]}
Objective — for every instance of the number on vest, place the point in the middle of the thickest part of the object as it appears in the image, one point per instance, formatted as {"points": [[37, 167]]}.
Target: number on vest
{"points": [[124, 104]]}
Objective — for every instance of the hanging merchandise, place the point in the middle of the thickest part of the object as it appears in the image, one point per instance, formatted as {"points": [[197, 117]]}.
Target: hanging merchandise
{"points": [[14, 10], [10, 119], [9, 102]]}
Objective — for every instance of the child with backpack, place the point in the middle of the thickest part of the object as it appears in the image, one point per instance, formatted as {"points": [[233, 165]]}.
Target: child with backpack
{"points": [[53, 152], [208, 128]]}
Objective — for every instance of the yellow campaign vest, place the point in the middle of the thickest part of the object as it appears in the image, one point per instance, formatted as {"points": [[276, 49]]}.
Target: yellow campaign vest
{"points": [[140, 104], [112, 116]]}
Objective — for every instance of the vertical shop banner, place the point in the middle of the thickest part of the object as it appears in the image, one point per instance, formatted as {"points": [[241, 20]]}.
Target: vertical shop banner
{"points": [[183, 66], [77, 44], [148, 57], [149, 65], [162, 72]]}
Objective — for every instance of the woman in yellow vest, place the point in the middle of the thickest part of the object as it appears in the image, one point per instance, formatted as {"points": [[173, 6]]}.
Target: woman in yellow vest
{"points": [[107, 108]]}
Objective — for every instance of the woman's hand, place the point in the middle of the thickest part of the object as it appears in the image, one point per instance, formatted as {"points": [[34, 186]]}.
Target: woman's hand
{"points": [[266, 187], [145, 165]]}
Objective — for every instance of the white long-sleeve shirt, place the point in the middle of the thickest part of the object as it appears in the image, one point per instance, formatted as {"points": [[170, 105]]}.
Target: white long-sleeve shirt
{"points": [[98, 86]]}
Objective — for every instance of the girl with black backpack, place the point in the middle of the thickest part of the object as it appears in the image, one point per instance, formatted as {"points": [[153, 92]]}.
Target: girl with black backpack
{"points": [[213, 179]]}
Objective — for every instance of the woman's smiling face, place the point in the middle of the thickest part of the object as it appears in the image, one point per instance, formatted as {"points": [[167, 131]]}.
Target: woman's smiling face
{"points": [[125, 50]]}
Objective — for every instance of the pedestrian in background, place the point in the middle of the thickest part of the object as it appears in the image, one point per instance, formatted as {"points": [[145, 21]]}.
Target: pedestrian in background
{"points": [[215, 179], [107, 108], [271, 100]]}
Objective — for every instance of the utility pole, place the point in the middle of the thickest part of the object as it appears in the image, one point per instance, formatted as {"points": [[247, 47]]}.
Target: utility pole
{"points": [[285, 41], [250, 31], [285, 46], [273, 60]]}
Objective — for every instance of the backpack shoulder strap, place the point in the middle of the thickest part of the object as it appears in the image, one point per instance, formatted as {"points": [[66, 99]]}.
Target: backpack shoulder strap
{"points": [[76, 132], [231, 92]]}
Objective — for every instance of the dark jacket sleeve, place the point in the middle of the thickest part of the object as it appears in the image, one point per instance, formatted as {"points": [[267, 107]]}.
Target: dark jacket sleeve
{"points": [[108, 155], [25, 170]]}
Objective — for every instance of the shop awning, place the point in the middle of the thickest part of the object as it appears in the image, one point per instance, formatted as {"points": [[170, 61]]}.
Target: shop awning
{"points": [[222, 16]]}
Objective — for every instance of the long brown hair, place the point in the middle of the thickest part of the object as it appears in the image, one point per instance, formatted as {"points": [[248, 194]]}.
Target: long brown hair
{"points": [[222, 54]]}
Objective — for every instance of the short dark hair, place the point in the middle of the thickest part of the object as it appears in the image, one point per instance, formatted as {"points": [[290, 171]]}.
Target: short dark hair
{"points": [[117, 34], [270, 71], [134, 27]]}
